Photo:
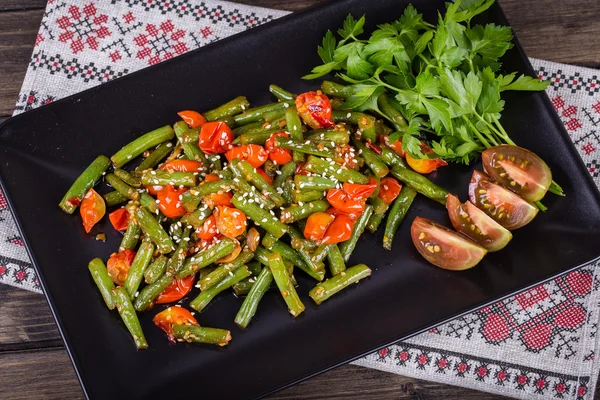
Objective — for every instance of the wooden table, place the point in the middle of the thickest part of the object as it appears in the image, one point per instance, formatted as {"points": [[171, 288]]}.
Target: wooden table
{"points": [[33, 360]]}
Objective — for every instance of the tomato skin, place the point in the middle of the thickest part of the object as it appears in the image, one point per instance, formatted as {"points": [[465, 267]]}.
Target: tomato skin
{"points": [[360, 192], [92, 209], [173, 316], [169, 202], [389, 189], [177, 290], [233, 255], [335, 212], [317, 224], [443, 247], [339, 230], [519, 170], [215, 137], [253, 153], [425, 165], [315, 109], [230, 221], [265, 175], [183, 166], [300, 170], [118, 265], [192, 118], [208, 229], [278, 155], [216, 199], [119, 219], [340, 200], [154, 190], [396, 146]]}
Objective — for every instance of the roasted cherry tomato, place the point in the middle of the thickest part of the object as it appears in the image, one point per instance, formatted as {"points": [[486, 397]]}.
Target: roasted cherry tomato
{"points": [[173, 316], [215, 137], [208, 229], [253, 153], [183, 166], [335, 212], [425, 165], [502, 205], [193, 118], [519, 170], [177, 290], [344, 202], [92, 209], [119, 219], [300, 170], [475, 224], [265, 175], [396, 146], [154, 190], [339, 230], [118, 265], [443, 247], [360, 192], [277, 154], [169, 201], [315, 109], [389, 189], [230, 221], [317, 224], [216, 199], [252, 239], [233, 255], [376, 148]]}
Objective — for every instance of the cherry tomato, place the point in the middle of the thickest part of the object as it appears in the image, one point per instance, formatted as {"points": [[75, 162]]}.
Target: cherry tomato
{"points": [[374, 147], [177, 290], [215, 137], [233, 255], [173, 316], [208, 229], [339, 230], [425, 165], [169, 201], [396, 146], [92, 209], [193, 118], [216, 199], [335, 212], [183, 166], [154, 190], [315, 109], [255, 155], [345, 155], [118, 265], [317, 224], [277, 154], [230, 221], [300, 170], [342, 201], [211, 178], [476, 225], [519, 170], [502, 205], [119, 219], [360, 192], [252, 239], [265, 175], [389, 189]]}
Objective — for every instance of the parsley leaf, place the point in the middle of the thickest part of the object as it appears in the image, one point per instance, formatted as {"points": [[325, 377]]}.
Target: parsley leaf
{"points": [[352, 28], [356, 65], [364, 97], [525, 82], [490, 42], [326, 50]]}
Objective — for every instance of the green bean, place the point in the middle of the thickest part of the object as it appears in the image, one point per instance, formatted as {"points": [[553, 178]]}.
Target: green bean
{"points": [[394, 115], [337, 103], [197, 218], [256, 137], [286, 171], [173, 178], [382, 129], [156, 269], [250, 174], [303, 244], [321, 252], [286, 251], [235, 106], [313, 265], [379, 206], [150, 292], [305, 148], [298, 212], [201, 334], [396, 215], [260, 216], [251, 193], [157, 155], [320, 166], [138, 266], [229, 121], [336, 90], [365, 122], [262, 255], [177, 260], [281, 93], [374, 222], [371, 159], [200, 302], [287, 189], [189, 142], [114, 198], [258, 125], [129, 317], [420, 183], [254, 114], [224, 269], [284, 283], [149, 203], [250, 304], [192, 198], [154, 230], [83, 183], [131, 236], [313, 182], [304, 196], [391, 158], [296, 232], [331, 137], [242, 288], [347, 247], [128, 178], [331, 286], [336, 261], [206, 257], [294, 126], [275, 115], [122, 187], [141, 144], [270, 168], [269, 240], [255, 267], [103, 281]]}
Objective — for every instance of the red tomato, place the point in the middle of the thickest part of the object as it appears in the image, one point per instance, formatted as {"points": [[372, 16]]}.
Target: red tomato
{"points": [[265, 175], [219, 198], [215, 137], [300, 170], [340, 200], [335, 212], [118, 265], [169, 202], [360, 192], [317, 224], [173, 316], [255, 155], [339, 230], [154, 190], [374, 147], [183, 166], [119, 219], [92, 209], [177, 290], [193, 118], [277, 154], [315, 109], [425, 165], [230, 221], [396, 146], [209, 229], [389, 189], [211, 178]]}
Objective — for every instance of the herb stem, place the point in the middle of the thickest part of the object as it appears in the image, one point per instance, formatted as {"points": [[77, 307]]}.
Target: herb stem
{"points": [[478, 134]]}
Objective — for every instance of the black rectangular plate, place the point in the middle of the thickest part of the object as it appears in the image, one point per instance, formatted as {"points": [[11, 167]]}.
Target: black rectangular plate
{"points": [[43, 151]]}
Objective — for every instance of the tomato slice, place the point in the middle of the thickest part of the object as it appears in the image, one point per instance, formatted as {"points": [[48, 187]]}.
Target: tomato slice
{"points": [[317, 224], [476, 225], [119, 219], [183, 166], [443, 247], [519, 170], [389, 190], [344, 202], [193, 118], [339, 230], [360, 192], [92, 209], [253, 153], [177, 290], [277, 154], [315, 109], [265, 175], [300, 170], [208, 229], [173, 316], [396, 146], [502, 205], [425, 165], [335, 212], [169, 201], [118, 265], [154, 190], [215, 137], [230, 221]]}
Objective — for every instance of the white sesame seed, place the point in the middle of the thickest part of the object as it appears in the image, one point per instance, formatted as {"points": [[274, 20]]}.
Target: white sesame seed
{"points": [[169, 144]]}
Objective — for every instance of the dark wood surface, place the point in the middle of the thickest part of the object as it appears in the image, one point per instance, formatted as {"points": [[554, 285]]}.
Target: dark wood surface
{"points": [[33, 361]]}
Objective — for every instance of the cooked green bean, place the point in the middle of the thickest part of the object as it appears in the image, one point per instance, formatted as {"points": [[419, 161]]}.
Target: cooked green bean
{"points": [[201, 334], [83, 183], [235, 106], [336, 261], [375, 221], [114, 198], [281, 93], [154, 230], [347, 247], [200, 302], [197, 218], [150, 292], [332, 169], [206, 257], [177, 259], [314, 182], [259, 216], [128, 178], [394, 115], [141, 144], [365, 122], [298, 212], [189, 141], [192, 198], [336, 90], [129, 317], [254, 114], [391, 158], [156, 269], [173, 178], [157, 155], [300, 196], [138, 266], [321, 252], [122, 187], [331, 137], [371, 159], [251, 193], [420, 183], [250, 304], [303, 147], [242, 288], [284, 283], [103, 281], [131, 237], [331, 286], [396, 215], [224, 269]]}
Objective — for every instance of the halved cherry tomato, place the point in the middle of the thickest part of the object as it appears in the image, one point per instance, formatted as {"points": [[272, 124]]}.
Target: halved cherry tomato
{"points": [[183, 166], [317, 224], [300, 170], [425, 165], [118, 265], [519, 170], [374, 147], [92, 209], [154, 190], [177, 290], [211, 178], [443, 247], [315, 109], [208, 229], [169, 202], [389, 189], [335, 212], [278, 155], [215, 137], [119, 219], [341, 200], [265, 175], [502, 205], [253, 153], [396, 146], [173, 316], [216, 199], [360, 192], [252, 239], [233, 255], [193, 118], [339, 230], [477, 225], [230, 221]]}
